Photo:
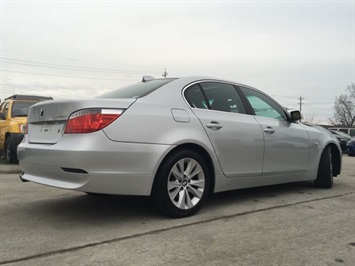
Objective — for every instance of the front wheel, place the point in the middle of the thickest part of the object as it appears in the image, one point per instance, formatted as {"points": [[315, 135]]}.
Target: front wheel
{"points": [[325, 170], [182, 184]]}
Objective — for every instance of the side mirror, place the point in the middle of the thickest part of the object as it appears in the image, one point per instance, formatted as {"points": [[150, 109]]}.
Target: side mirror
{"points": [[2, 116], [295, 116]]}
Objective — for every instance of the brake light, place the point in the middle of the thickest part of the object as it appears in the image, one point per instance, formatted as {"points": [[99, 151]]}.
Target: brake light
{"points": [[91, 120]]}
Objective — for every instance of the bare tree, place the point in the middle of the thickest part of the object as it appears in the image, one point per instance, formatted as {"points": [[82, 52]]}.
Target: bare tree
{"points": [[344, 108], [351, 90], [310, 118]]}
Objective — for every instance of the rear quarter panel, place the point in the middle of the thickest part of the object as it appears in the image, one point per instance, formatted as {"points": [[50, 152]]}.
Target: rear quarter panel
{"points": [[150, 120]]}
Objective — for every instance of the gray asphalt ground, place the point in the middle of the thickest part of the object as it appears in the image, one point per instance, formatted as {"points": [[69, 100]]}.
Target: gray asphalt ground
{"points": [[8, 168], [293, 224]]}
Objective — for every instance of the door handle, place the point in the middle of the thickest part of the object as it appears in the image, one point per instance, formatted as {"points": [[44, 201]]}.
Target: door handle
{"points": [[269, 130], [214, 125]]}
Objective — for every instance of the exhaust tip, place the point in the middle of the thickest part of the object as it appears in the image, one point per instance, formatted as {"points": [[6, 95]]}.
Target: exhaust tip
{"points": [[74, 170]]}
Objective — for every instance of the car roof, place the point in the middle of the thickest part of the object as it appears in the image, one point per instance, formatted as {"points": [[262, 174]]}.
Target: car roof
{"points": [[191, 79]]}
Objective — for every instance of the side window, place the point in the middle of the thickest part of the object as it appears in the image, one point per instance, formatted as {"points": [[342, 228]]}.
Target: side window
{"points": [[195, 98], [345, 130], [263, 106], [20, 108], [223, 97], [352, 132]]}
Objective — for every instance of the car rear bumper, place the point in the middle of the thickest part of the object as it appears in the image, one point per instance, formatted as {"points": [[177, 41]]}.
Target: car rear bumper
{"points": [[92, 163]]}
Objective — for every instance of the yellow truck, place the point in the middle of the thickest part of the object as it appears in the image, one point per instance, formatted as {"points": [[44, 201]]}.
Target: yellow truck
{"points": [[13, 119]]}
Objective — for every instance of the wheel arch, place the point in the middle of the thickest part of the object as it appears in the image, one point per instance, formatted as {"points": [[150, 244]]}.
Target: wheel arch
{"points": [[200, 150], [336, 158]]}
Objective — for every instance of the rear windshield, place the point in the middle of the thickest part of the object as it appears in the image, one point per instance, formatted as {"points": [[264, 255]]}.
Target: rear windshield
{"points": [[21, 108], [136, 90]]}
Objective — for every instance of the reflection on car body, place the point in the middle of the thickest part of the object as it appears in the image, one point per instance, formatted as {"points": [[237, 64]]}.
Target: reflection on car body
{"points": [[350, 147], [343, 139], [175, 139]]}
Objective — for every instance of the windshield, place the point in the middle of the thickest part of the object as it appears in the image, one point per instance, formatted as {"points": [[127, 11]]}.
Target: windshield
{"points": [[20, 108], [136, 90]]}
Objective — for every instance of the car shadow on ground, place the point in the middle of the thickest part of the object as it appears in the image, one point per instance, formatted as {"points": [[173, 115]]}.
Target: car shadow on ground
{"points": [[259, 193], [76, 206]]}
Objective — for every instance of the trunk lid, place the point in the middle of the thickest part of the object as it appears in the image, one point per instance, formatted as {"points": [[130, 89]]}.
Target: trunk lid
{"points": [[47, 120]]}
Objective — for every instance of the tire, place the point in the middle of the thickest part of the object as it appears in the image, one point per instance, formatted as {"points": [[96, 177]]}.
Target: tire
{"points": [[10, 152], [182, 184], [325, 170]]}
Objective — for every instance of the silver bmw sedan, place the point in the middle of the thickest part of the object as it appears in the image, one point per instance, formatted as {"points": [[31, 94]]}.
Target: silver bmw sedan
{"points": [[176, 140]]}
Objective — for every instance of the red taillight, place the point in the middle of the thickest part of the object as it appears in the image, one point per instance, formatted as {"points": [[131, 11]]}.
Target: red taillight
{"points": [[86, 121]]}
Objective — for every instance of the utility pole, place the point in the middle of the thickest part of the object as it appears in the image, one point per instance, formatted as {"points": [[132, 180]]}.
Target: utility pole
{"points": [[300, 102], [165, 73]]}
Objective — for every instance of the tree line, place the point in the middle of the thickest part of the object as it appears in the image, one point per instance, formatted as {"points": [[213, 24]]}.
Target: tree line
{"points": [[344, 108]]}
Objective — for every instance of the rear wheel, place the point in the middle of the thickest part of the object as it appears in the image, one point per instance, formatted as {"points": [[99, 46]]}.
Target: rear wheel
{"points": [[10, 152], [325, 170], [182, 184]]}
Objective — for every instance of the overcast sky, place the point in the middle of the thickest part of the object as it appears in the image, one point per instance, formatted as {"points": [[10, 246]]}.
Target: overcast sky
{"points": [[79, 49]]}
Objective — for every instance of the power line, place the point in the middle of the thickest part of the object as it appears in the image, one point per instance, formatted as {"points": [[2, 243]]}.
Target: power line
{"points": [[39, 55], [63, 58], [62, 76], [69, 67]]}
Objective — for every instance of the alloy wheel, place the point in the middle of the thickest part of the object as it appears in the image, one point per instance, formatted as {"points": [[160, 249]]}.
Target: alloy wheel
{"points": [[186, 183]]}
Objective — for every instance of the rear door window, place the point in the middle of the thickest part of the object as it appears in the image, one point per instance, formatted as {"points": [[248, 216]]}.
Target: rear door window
{"points": [[223, 97], [196, 98], [215, 96]]}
